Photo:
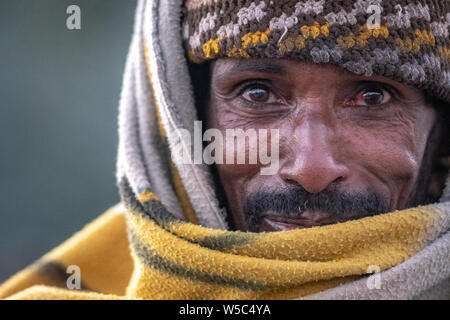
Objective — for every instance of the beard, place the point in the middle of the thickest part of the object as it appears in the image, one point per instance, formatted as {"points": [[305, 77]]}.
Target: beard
{"points": [[291, 202]]}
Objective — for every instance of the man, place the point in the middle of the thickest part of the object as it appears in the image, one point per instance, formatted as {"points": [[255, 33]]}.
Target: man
{"points": [[346, 104]]}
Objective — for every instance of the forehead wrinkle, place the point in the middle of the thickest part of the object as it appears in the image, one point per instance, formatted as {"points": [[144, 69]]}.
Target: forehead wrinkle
{"points": [[310, 70], [280, 67], [255, 65]]}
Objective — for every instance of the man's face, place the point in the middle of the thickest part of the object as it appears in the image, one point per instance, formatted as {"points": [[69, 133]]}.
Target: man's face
{"points": [[349, 146]]}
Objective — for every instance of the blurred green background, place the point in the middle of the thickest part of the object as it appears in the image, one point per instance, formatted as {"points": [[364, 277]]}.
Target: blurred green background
{"points": [[59, 92]]}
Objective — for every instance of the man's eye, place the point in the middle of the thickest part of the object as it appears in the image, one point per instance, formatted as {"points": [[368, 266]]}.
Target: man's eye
{"points": [[371, 97], [258, 94]]}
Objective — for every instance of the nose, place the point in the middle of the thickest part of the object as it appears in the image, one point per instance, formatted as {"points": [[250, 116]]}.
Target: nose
{"points": [[311, 159]]}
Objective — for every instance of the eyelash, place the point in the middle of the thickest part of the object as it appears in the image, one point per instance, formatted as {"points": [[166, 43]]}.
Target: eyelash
{"points": [[394, 94], [243, 87], [249, 84]]}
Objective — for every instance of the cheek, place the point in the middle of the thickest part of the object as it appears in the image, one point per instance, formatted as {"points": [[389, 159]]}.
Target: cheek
{"points": [[242, 140], [388, 154], [241, 151], [389, 158]]}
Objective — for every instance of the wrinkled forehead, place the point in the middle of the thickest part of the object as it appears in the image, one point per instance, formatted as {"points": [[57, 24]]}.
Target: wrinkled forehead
{"points": [[292, 70]]}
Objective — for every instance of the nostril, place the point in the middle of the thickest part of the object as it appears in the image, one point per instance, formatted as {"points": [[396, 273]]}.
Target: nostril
{"points": [[290, 181], [338, 179], [312, 179]]}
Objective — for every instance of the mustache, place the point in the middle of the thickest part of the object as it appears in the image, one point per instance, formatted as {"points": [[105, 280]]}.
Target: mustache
{"points": [[292, 201]]}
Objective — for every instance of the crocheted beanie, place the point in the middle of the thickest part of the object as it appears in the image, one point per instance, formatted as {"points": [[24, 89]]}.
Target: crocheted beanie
{"points": [[406, 40]]}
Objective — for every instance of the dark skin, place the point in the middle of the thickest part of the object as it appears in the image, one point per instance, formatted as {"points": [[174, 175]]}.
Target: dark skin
{"points": [[353, 133]]}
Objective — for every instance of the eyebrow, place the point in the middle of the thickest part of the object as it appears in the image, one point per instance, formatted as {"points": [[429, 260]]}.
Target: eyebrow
{"points": [[255, 65]]}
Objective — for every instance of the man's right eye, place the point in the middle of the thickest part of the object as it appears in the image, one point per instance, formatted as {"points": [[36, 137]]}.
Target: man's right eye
{"points": [[258, 94], [373, 95]]}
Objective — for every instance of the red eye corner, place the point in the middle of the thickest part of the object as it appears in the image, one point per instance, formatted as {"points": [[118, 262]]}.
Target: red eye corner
{"points": [[371, 97]]}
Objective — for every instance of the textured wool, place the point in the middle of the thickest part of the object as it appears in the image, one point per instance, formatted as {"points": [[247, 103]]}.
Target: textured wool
{"points": [[168, 239]]}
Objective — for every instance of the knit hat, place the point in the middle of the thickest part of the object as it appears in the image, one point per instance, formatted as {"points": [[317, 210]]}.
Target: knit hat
{"points": [[406, 40]]}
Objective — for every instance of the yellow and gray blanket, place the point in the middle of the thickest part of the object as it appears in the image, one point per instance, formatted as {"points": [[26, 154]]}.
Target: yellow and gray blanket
{"points": [[168, 239]]}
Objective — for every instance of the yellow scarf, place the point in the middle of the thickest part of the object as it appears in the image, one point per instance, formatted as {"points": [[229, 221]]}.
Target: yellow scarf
{"points": [[166, 258]]}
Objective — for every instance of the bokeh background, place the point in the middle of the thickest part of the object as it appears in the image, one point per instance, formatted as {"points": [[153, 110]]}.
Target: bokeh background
{"points": [[59, 94]]}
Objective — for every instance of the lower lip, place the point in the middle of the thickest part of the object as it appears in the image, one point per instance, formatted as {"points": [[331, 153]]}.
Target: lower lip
{"points": [[271, 225]]}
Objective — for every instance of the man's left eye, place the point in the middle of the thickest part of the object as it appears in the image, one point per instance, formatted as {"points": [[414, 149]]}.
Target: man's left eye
{"points": [[371, 97]]}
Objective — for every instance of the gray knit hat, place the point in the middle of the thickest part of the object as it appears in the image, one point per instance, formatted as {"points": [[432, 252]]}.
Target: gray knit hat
{"points": [[409, 42]]}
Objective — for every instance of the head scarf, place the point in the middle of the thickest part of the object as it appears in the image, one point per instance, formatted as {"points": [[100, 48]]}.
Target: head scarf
{"points": [[178, 233]]}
